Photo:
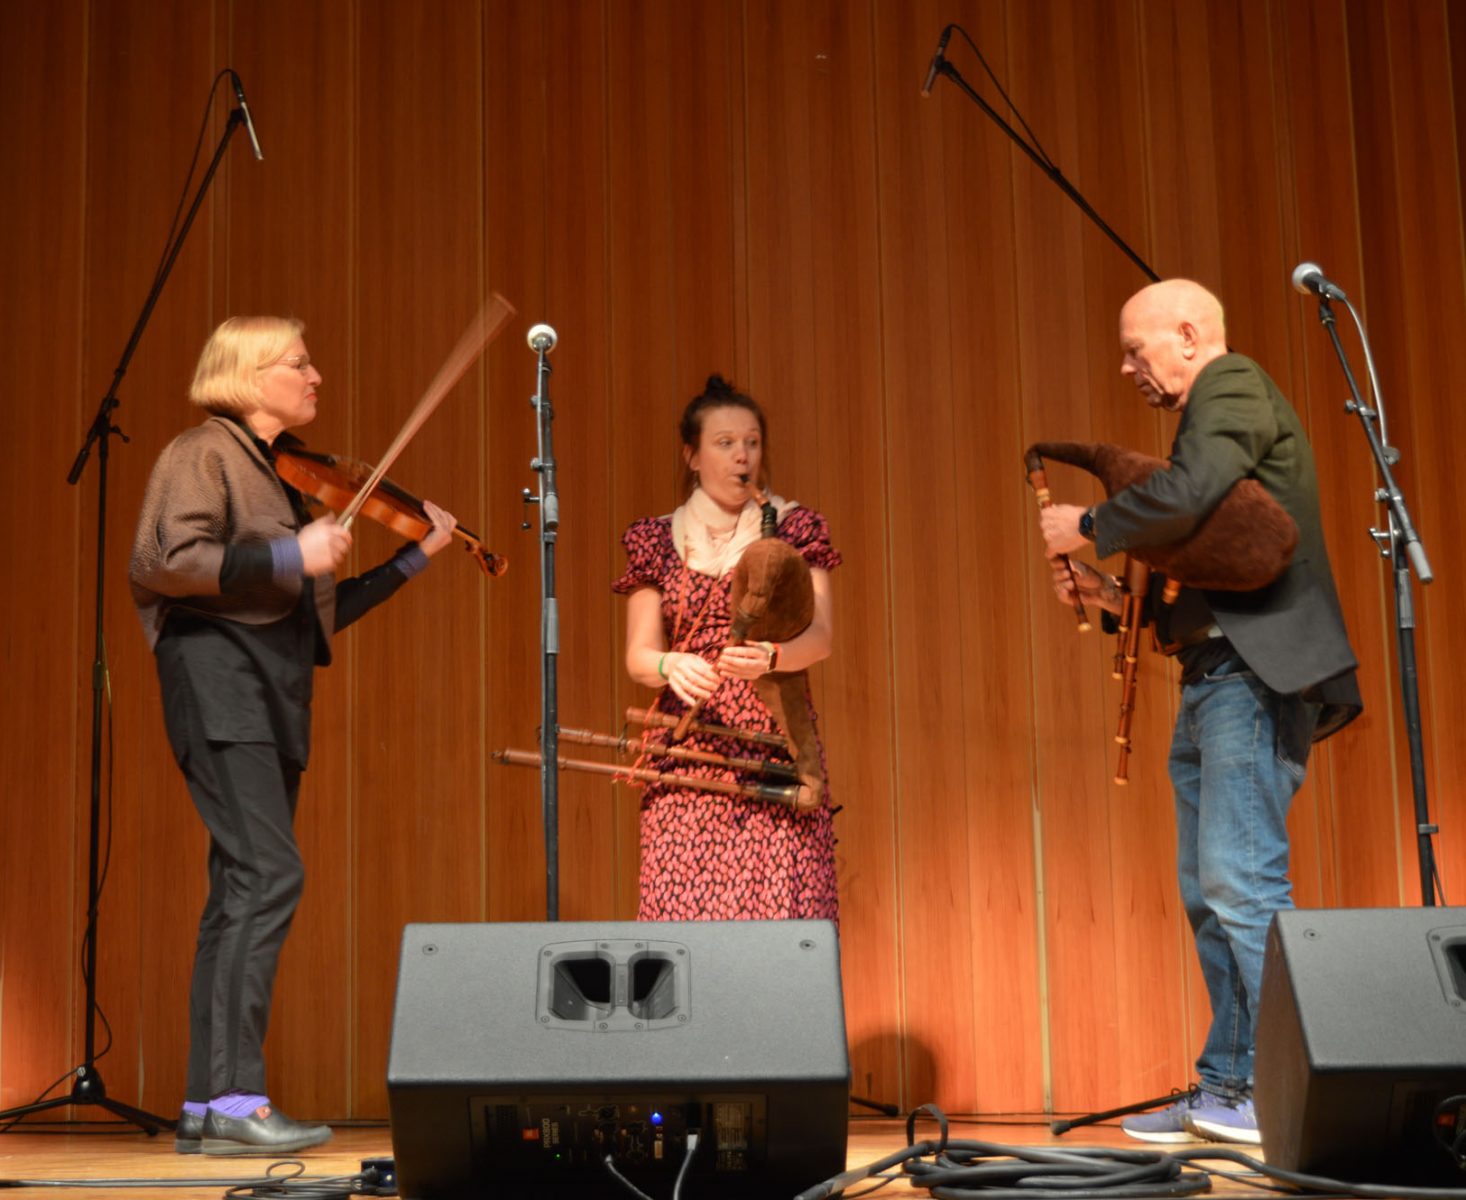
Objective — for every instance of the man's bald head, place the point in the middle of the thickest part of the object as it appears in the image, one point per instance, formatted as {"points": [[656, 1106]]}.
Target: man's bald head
{"points": [[1172, 301], [1169, 331]]}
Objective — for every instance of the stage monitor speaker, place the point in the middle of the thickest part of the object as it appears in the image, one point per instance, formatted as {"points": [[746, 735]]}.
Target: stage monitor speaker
{"points": [[1361, 1041], [524, 1054]]}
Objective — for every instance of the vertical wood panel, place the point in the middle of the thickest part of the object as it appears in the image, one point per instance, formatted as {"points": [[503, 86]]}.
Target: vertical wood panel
{"points": [[995, 633], [516, 188], [597, 818], [813, 316], [926, 613], [1345, 846], [418, 711], [44, 770], [642, 382], [133, 188], [853, 687], [1391, 254], [1430, 242]]}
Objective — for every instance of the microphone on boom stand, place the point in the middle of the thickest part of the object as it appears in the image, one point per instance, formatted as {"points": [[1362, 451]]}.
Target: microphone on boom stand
{"points": [[1309, 278], [939, 60], [249, 121]]}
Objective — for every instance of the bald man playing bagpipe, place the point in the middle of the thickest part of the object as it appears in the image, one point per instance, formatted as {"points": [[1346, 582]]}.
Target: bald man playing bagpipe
{"points": [[1264, 672]]}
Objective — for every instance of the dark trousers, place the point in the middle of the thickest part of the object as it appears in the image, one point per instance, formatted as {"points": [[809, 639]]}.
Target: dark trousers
{"points": [[245, 792]]}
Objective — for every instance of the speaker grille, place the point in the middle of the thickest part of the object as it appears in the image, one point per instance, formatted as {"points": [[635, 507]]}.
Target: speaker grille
{"points": [[614, 985]]}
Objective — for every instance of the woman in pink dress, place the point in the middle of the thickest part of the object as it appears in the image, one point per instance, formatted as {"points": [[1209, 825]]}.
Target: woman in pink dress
{"points": [[707, 856]]}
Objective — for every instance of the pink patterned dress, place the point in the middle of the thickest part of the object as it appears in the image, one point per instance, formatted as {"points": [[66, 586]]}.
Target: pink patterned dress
{"points": [[706, 856]]}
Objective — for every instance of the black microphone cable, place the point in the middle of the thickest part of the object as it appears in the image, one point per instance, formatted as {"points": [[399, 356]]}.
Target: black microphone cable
{"points": [[969, 1170]]}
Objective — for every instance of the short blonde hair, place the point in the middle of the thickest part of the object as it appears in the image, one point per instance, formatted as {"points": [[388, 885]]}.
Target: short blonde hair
{"points": [[227, 377]]}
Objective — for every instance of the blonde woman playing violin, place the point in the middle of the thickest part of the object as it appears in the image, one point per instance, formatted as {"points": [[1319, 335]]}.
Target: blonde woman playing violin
{"points": [[235, 587]]}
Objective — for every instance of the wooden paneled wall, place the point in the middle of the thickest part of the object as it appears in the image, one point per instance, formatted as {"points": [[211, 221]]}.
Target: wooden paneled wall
{"points": [[753, 187]]}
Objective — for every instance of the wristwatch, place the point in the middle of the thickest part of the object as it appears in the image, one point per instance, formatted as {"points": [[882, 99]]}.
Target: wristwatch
{"points": [[1086, 525]]}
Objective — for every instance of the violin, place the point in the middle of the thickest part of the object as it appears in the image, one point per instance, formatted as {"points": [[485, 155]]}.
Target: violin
{"points": [[335, 482]]}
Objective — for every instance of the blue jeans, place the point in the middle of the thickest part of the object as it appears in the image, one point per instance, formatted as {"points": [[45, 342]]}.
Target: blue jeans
{"points": [[1237, 759]]}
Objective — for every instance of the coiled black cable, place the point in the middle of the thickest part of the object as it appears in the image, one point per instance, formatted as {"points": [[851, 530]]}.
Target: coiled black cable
{"points": [[963, 1170]]}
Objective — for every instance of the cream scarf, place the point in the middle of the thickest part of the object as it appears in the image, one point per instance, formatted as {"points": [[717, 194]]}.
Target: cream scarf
{"points": [[711, 540]]}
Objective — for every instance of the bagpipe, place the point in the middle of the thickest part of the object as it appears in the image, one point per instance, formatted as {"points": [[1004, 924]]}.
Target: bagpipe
{"points": [[772, 600], [1243, 544]]}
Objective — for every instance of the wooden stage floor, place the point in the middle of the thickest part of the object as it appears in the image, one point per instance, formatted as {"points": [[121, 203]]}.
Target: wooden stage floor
{"points": [[108, 1154]]}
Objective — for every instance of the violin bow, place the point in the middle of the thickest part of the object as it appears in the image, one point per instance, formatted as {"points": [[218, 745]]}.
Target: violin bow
{"points": [[482, 330]]}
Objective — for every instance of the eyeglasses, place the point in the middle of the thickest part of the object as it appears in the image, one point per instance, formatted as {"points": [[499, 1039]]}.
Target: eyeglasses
{"points": [[301, 362]]}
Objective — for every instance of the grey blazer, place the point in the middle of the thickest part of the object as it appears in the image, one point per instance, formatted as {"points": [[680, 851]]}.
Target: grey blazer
{"points": [[211, 486]]}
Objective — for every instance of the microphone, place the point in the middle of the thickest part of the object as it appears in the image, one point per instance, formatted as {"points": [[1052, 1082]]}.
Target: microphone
{"points": [[542, 339], [249, 123], [1309, 277], [937, 59]]}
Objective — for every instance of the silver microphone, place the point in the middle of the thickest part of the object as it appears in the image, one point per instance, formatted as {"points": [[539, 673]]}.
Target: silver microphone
{"points": [[542, 338], [1309, 277], [249, 124], [936, 64]]}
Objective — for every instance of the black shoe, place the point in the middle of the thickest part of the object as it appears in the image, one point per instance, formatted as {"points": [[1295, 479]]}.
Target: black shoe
{"points": [[188, 1135], [267, 1130]]}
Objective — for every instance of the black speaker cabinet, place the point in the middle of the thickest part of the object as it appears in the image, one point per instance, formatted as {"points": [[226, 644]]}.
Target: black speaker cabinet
{"points": [[1361, 1035], [523, 1054]]}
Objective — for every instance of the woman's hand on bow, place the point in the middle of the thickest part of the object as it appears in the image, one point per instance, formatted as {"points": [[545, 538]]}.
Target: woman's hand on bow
{"points": [[324, 544]]}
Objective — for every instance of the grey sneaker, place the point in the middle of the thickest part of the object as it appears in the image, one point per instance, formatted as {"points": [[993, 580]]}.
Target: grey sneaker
{"points": [[1221, 1120], [1168, 1124]]}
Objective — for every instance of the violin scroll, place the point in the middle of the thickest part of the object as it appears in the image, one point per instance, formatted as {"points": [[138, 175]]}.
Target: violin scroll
{"points": [[490, 564]]}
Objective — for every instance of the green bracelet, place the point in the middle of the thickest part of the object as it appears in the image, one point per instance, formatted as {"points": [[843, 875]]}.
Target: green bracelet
{"points": [[660, 661]]}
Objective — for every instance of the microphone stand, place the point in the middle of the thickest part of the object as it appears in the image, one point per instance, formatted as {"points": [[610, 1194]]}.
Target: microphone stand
{"points": [[1040, 160], [87, 1085], [542, 341], [1401, 544]]}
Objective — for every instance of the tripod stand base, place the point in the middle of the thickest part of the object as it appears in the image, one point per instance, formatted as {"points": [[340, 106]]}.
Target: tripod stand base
{"points": [[88, 1088], [1125, 1110], [880, 1106]]}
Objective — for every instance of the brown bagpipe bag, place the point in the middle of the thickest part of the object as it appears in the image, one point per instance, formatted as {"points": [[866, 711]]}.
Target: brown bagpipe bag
{"points": [[772, 598], [1245, 543]]}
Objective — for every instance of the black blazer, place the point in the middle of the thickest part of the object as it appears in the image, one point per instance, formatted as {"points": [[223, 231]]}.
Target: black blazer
{"points": [[1237, 424]]}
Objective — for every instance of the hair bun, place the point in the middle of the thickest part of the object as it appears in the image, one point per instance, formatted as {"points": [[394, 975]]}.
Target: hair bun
{"points": [[718, 393]]}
